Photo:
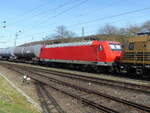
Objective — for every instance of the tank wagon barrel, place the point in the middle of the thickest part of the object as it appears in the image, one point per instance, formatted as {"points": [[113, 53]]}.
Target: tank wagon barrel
{"points": [[7, 52], [28, 52]]}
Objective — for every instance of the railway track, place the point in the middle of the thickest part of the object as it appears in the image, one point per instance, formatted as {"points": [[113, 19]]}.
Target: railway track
{"points": [[85, 94], [99, 81], [144, 108], [48, 103], [74, 90]]}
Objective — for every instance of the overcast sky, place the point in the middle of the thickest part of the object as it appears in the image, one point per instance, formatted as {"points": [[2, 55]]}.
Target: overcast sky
{"points": [[37, 18]]}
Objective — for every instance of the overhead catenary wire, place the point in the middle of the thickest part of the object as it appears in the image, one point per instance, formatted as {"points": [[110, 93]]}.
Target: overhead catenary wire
{"points": [[112, 16], [22, 16], [61, 13], [63, 5], [56, 8], [74, 6], [105, 18], [64, 11], [97, 10], [42, 13], [109, 17]]}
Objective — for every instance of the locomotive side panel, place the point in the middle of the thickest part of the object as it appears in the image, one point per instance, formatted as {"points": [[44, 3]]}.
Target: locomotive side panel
{"points": [[137, 52], [80, 53]]}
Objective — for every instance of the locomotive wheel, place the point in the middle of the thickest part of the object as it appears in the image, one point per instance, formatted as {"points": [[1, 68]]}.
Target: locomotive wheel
{"points": [[97, 69], [83, 68], [103, 69], [142, 73], [139, 71], [131, 71], [145, 75]]}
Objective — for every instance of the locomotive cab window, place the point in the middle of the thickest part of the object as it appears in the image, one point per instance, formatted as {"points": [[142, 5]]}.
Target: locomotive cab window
{"points": [[131, 46], [115, 47]]}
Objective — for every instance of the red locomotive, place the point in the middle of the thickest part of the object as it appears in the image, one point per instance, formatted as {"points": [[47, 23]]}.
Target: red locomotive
{"points": [[102, 53]]}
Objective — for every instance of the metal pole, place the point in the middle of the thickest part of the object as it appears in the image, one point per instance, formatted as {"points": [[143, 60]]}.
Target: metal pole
{"points": [[82, 31], [16, 36]]}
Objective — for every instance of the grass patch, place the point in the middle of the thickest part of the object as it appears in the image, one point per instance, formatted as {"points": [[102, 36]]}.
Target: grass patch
{"points": [[13, 102]]}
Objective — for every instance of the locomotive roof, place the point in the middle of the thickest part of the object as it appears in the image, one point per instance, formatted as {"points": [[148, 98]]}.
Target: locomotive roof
{"points": [[70, 44], [77, 44]]}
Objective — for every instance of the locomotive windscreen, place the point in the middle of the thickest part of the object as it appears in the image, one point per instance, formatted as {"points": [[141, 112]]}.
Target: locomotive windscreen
{"points": [[115, 47]]}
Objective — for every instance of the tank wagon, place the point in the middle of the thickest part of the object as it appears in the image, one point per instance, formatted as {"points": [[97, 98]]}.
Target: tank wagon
{"points": [[7, 53], [28, 53], [21, 53]]}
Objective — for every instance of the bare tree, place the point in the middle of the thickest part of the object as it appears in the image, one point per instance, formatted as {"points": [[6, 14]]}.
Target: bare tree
{"points": [[133, 29], [108, 29], [122, 31], [62, 32], [146, 25]]}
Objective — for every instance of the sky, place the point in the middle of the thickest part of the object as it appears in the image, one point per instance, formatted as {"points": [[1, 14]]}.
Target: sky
{"points": [[32, 20]]}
